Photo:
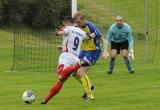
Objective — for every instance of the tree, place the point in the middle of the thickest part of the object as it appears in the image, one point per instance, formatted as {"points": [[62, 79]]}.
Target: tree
{"points": [[34, 13]]}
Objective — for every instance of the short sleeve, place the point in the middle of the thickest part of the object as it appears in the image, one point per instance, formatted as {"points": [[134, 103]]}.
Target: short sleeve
{"points": [[94, 29]]}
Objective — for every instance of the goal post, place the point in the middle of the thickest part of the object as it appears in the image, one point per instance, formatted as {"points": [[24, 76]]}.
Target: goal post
{"points": [[74, 6]]}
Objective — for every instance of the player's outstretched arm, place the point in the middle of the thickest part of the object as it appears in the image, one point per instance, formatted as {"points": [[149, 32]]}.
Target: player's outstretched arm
{"points": [[130, 40], [109, 36], [60, 32]]}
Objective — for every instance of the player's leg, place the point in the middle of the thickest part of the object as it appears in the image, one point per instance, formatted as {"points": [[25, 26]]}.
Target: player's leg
{"points": [[124, 49], [53, 91], [88, 91], [114, 50], [92, 57], [58, 86], [64, 71], [84, 81], [127, 61], [63, 74], [82, 77], [112, 61]]}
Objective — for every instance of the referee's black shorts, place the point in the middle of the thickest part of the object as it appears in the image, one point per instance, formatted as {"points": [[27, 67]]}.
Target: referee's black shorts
{"points": [[119, 46]]}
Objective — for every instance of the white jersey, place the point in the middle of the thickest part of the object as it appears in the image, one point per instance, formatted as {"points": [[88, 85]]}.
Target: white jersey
{"points": [[72, 39]]}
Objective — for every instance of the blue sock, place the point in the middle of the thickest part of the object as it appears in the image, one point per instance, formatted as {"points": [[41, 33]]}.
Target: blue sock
{"points": [[111, 64], [128, 64]]}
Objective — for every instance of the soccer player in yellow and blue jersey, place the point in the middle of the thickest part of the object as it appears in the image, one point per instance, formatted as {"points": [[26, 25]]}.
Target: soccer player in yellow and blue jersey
{"points": [[91, 50]]}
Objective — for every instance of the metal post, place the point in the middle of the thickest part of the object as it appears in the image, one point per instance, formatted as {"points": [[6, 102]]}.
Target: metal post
{"points": [[147, 39], [74, 6]]}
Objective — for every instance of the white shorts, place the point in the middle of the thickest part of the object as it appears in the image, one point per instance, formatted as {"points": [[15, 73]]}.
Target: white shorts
{"points": [[68, 59]]}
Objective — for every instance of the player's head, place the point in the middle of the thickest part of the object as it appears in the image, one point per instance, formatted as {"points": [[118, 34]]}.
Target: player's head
{"points": [[68, 20], [119, 21], [79, 18]]}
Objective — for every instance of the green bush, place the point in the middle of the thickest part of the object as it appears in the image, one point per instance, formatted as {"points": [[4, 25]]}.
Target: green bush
{"points": [[34, 13]]}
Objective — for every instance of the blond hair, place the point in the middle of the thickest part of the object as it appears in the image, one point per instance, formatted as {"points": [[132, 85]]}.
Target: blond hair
{"points": [[79, 14]]}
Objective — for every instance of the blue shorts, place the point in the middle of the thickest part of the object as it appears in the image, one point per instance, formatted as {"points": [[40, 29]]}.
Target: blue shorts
{"points": [[91, 55]]}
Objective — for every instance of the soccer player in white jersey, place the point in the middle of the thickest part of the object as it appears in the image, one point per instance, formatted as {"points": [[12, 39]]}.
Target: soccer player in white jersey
{"points": [[68, 60]]}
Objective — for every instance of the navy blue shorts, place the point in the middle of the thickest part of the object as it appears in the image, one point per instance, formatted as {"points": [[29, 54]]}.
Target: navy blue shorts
{"points": [[91, 55]]}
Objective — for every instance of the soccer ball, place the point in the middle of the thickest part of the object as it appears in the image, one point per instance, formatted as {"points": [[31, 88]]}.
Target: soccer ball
{"points": [[28, 96]]}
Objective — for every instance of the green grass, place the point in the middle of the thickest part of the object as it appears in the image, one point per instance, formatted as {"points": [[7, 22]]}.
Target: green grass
{"points": [[120, 91]]}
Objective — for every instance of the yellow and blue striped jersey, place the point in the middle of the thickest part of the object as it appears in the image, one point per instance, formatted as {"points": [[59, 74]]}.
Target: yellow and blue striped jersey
{"points": [[93, 43]]}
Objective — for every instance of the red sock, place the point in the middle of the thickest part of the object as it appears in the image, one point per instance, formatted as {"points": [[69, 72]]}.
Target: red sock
{"points": [[54, 90], [67, 71]]}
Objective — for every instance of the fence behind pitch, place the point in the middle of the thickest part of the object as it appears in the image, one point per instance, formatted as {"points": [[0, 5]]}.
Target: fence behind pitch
{"points": [[141, 15], [35, 50], [35, 46]]}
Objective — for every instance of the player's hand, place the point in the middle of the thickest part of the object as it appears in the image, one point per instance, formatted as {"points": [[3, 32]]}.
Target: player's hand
{"points": [[131, 54], [58, 29], [59, 48], [92, 34], [105, 55], [56, 32]]}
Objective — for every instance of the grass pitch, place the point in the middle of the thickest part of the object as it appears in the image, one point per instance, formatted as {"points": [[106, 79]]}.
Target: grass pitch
{"points": [[120, 91]]}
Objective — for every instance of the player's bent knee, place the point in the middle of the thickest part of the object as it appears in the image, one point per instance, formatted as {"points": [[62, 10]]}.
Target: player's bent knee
{"points": [[61, 77], [113, 55], [80, 72], [62, 81], [125, 55]]}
